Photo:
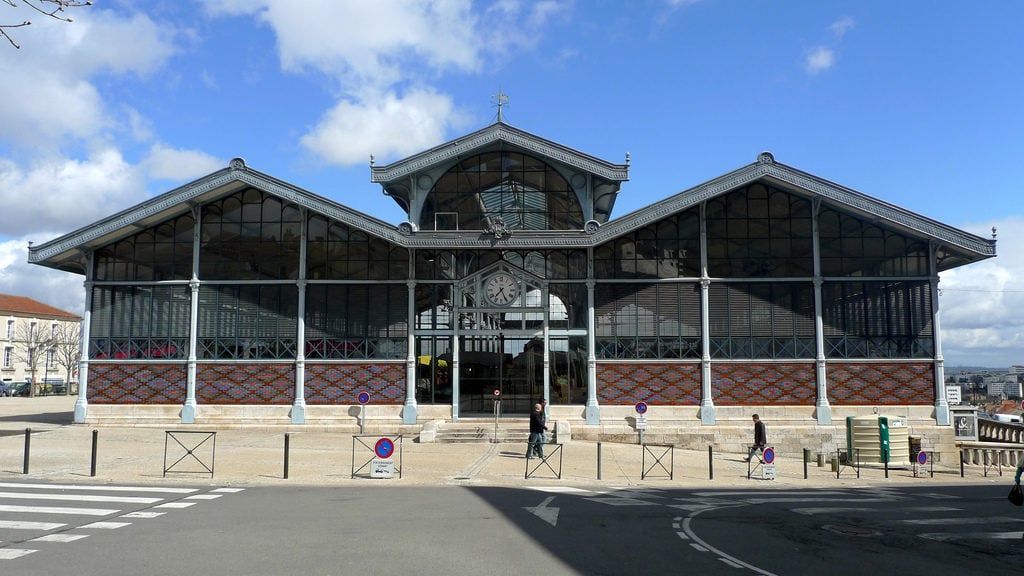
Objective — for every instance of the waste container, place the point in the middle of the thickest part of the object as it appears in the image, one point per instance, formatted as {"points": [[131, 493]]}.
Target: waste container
{"points": [[915, 447]]}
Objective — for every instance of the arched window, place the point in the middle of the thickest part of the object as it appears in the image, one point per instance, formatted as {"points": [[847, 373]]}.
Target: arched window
{"points": [[520, 191]]}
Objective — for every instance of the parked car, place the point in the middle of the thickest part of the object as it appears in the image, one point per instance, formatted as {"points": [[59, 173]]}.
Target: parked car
{"points": [[20, 389], [4, 390]]}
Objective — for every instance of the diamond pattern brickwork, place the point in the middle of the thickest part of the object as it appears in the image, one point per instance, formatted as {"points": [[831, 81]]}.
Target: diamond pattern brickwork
{"points": [[763, 384], [886, 384], [664, 384], [245, 384], [342, 383], [136, 384]]}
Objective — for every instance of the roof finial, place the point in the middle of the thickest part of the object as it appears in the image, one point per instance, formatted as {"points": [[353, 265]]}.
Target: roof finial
{"points": [[500, 100]]}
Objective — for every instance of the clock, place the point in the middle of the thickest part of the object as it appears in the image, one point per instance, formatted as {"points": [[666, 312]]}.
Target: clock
{"points": [[501, 289]]}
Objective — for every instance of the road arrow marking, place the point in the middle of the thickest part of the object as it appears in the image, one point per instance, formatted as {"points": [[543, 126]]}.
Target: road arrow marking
{"points": [[542, 511]]}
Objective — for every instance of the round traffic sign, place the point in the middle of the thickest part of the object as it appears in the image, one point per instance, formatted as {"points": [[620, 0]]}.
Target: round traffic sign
{"points": [[364, 397], [641, 407], [922, 457], [384, 448], [769, 455]]}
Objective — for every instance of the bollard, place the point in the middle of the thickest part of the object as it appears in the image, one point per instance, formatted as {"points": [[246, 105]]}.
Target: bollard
{"points": [[961, 463], [711, 464], [287, 438], [821, 459], [807, 457], [835, 465], [28, 441], [95, 441], [598, 460]]}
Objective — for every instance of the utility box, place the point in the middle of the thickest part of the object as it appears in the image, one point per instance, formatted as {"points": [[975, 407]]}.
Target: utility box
{"points": [[965, 423], [877, 439]]}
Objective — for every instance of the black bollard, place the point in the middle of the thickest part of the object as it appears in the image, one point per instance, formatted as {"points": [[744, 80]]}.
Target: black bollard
{"points": [[287, 438], [807, 456], [711, 464], [92, 465], [28, 441], [598, 460], [961, 463]]}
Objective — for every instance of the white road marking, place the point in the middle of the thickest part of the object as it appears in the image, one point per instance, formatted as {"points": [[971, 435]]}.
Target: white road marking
{"points": [[14, 525], [12, 553], [80, 498], [175, 505], [730, 563], [60, 538], [58, 510], [107, 525], [99, 488], [847, 510], [544, 512], [682, 535], [143, 514], [204, 497], [229, 490], [698, 547], [954, 521], [946, 536], [560, 489]]}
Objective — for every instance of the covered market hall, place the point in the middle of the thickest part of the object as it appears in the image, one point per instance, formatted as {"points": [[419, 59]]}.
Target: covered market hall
{"points": [[240, 298]]}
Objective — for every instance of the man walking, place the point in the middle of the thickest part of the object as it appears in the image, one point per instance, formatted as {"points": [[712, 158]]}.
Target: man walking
{"points": [[760, 438], [537, 428]]}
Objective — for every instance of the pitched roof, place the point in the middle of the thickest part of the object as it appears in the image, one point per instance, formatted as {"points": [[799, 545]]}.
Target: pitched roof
{"points": [[22, 306]]}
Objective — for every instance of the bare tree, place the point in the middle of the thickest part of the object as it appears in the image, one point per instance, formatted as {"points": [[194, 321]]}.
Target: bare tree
{"points": [[49, 8], [31, 343], [67, 349]]}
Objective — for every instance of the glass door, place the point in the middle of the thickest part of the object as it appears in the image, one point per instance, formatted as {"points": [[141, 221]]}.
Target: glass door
{"points": [[510, 363]]}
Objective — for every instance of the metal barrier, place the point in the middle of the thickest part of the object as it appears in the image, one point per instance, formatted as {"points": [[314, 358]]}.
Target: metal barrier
{"points": [[855, 464], [191, 442], [554, 450], [658, 460], [380, 462]]}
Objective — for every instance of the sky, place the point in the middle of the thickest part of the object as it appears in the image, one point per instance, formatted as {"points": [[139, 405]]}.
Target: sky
{"points": [[916, 103]]}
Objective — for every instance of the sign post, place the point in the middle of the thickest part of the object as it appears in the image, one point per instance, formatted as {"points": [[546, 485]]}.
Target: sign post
{"points": [[382, 465], [364, 397], [768, 468], [641, 419], [497, 413]]}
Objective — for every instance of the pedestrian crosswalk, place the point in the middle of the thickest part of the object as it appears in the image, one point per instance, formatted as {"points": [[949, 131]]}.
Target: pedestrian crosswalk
{"points": [[34, 516]]}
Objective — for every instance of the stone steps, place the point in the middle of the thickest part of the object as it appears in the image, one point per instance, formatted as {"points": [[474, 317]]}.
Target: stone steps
{"points": [[479, 432]]}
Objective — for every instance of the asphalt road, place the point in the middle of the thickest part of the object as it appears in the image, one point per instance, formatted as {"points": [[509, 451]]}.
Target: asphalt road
{"points": [[99, 530]]}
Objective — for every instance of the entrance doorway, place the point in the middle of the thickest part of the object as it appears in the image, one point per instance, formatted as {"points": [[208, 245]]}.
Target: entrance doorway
{"points": [[510, 363]]}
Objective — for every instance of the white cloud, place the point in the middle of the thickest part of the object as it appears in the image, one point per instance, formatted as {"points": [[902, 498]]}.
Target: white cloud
{"points": [[63, 194], [819, 59], [980, 303], [840, 27], [385, 126], [166, 163], [54, 287]]}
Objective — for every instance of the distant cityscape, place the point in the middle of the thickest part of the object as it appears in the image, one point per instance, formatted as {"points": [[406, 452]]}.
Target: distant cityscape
{"points": [[995, 391]]}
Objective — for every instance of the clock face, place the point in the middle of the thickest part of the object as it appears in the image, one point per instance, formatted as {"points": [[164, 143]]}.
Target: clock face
{"points": [[501, 289]]}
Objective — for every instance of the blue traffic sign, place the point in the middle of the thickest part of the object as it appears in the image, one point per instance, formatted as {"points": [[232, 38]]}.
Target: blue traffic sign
{"points": [[922, 457], [641, 407], [364, 397], [769, 455], [384, 448]]}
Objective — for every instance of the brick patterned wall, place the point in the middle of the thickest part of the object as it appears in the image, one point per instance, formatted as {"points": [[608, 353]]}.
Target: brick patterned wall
{"points": [[763, 384], [137, 384], [664, 384], [342, 383], [878, 383], [245, 384]]}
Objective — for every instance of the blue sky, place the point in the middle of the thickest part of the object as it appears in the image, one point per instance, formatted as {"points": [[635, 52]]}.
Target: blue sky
{"points": [[915, 103]]}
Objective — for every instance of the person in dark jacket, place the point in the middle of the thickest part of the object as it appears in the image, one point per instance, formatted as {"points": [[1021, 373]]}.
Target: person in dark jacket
{"points": [[760, 438], [537, 428]]}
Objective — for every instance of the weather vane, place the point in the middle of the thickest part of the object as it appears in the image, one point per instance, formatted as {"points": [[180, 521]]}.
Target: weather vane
{"points": [[500, 100]]}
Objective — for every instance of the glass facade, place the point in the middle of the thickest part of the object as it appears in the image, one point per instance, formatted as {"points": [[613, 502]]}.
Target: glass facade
{"points": [[520, 191], [754, 269]]}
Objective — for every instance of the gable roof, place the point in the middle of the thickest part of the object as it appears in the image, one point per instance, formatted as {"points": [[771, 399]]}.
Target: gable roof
{"points": [[495, 133], [970, 247], [24, 306], [68, 252]]}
